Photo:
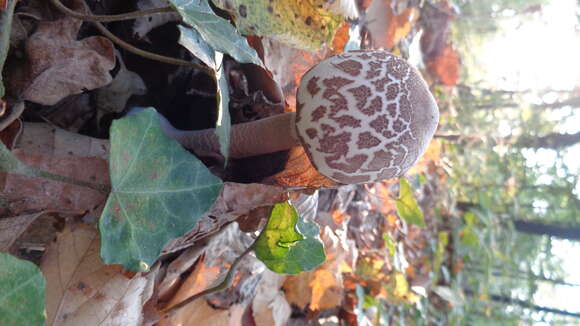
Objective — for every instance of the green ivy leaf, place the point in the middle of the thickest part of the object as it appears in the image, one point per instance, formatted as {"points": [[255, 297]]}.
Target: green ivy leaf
{"points": [[5, 28], [194, 43], [21, 292], [216, 31], [159, 192], [223, 124], [288, 244], [407, 206]]}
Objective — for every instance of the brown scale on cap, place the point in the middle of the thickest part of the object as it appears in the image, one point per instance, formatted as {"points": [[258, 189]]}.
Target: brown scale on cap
{"points": [[366, 116]]}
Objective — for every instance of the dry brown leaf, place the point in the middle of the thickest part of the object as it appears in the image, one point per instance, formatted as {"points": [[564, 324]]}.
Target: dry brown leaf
{"points": [[46, 140], [441, 59], [341, 38], [35, 194], [174, 271], [200, 313], [386, 27], [11, 228], [322, 288], [10, 113], [288, 64], [82, 290], [269, 306], [326, 291], [222, 249], [445, 67], [59, 152], [338, 216], [9, 135], [73, 113], [114, 97], [299, 173], [58, 65], [297, 289], [201, 278], [236, 199]]}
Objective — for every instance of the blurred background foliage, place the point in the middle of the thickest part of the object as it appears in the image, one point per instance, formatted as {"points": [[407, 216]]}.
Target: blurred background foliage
{"points": [[508, 230]]}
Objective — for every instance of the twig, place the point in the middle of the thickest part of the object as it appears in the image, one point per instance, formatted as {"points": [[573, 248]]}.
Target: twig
{"points": [[109, 18], [224, 284], [150, 55], [127, 46]]}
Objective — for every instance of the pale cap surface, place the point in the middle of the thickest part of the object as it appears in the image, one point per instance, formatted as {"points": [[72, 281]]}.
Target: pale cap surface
{"points": [[364, 116]]}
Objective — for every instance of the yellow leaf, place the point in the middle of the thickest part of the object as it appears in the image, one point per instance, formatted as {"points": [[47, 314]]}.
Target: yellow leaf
{"points": [[301, 23]]}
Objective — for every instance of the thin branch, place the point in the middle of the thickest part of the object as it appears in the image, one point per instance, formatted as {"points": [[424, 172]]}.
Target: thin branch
{"points": [[150, 55], [109, 18], [127, 46], [224, 284]]}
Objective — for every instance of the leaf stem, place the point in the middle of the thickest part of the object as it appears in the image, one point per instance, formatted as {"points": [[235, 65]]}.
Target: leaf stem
{"points": [[225, 283], [61, 178], [109, 18]]}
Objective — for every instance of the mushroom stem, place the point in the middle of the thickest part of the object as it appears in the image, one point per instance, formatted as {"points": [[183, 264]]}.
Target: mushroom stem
{"points": [[269, 135]]}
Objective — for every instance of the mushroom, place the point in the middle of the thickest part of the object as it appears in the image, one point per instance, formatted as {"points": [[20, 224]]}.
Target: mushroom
{"points": [[361, 117]]}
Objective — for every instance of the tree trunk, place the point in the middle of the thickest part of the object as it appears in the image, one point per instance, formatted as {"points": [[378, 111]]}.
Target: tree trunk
{"points": [[525, 304], [551, 141], [517, 274], [529, 305], [552, 230]]}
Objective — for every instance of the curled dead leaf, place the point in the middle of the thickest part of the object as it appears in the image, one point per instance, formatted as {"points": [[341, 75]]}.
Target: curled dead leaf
{"points": [[59, 65]]}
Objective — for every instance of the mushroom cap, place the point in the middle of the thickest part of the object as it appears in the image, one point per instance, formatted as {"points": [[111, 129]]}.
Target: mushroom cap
{"points": [[364, 116]]}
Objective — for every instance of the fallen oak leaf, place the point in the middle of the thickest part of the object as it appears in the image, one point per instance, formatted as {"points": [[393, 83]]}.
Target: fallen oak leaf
{"points": [[82, 290], [59, 65]]}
